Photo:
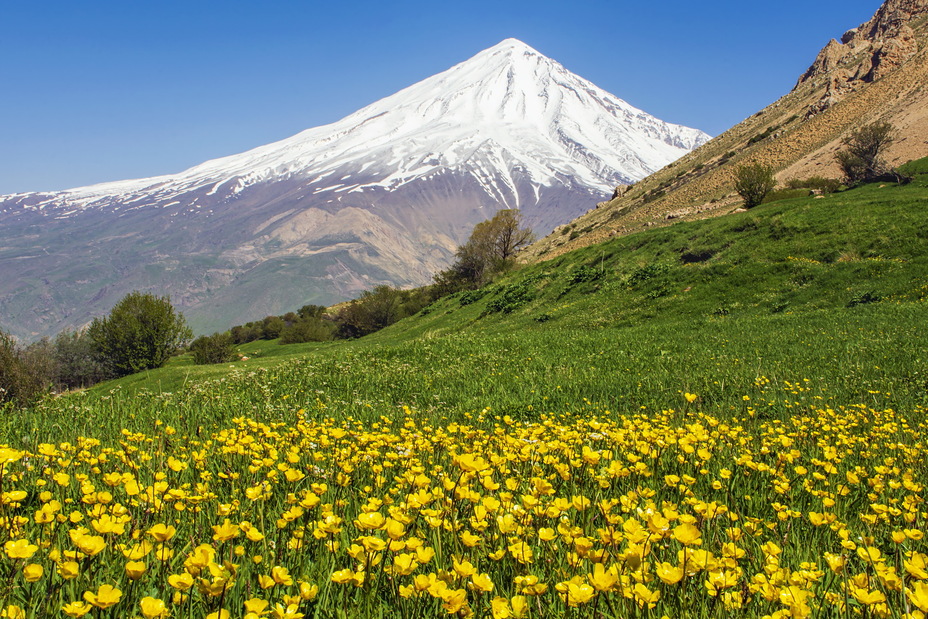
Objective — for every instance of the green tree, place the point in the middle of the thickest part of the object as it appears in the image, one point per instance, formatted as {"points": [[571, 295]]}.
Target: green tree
{"points": [[490, 249], [861, 160], [753, 181], [141, 332], [20, 383], [215, 348]]}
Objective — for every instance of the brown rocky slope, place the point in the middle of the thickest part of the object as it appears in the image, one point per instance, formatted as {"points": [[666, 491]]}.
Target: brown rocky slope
{"points": [[878, 72]]}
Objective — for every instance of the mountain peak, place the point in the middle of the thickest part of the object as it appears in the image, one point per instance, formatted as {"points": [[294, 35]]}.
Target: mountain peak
{"points": [[512, 44], [382, 196]]}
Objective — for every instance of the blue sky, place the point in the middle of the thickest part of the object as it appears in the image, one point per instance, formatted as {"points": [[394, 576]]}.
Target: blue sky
{"points": [[103, 90]]}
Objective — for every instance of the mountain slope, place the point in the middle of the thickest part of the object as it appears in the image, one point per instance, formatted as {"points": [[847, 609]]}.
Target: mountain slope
{"points": [[383, 196], [878, 72]]}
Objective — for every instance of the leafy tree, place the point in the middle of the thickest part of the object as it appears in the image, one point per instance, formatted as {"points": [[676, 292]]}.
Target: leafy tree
{"points": [[862, 157], [141, 332], [271, 327], [75, 362], [753, 181], [20, 383], [308, 329], [215, 348], [489, 250], [372, 311]]}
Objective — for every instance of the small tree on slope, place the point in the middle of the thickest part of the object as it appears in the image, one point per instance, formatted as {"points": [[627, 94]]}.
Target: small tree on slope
{"points": [[141, 332], [753, 181]]}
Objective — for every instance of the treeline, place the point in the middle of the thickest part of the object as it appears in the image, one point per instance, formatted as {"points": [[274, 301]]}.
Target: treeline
{"points": [[489, 251], [141, 332]]}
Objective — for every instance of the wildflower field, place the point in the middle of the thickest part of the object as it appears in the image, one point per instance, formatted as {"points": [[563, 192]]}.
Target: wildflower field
{"points": [[604, 437], [678, 513]]}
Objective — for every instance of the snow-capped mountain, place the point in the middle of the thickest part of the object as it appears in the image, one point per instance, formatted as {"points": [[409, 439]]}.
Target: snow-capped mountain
{"points": [[381, 196]]}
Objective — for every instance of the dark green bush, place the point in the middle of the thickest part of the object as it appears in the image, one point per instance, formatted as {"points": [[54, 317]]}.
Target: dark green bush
{"points": [[215, 348], [20, 383], [141, 332], [309, 329]]}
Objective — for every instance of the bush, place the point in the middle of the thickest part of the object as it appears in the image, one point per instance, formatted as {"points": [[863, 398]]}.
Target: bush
{"points": [[19, 382], [215, 348], [815, 183], [753, 181], [862, 157], [141, 332], [75, 362], [309, 329]]}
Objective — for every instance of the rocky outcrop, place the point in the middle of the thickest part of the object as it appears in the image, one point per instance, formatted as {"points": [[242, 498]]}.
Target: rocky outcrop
{"points": [[866, 53]]}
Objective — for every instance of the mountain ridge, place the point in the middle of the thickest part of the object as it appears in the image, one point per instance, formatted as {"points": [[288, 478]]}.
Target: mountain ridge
{"points": [[797, 135]]}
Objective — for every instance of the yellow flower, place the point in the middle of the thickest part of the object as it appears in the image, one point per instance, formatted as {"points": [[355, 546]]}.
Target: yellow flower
{"points": [[471, 464], [669, 574], [869, 554], [20, 549], [221, 614], [481, 582], [135, 569], [76, 609], [690, 397], [918, 595], [404, 564], [33, 572], [225, 531], [453, 600], [603, 579], [645, 597], [13, 612], [181, 582], [687, 534], [281, 576], [162, 533], [369, 521], [106, 596], [153, 607], [308, 591], [500, 608], [68, 569], [256, 606], [9, 455], [578, 593], [463, 568]]}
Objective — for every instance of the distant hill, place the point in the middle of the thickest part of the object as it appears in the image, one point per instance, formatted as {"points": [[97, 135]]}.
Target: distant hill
{"points": [[383, 196], [877, 72]]}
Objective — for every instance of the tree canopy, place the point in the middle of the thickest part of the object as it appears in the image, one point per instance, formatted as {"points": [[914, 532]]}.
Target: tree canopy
{"points": [[753, 181], [490, 249], [141, 332]]}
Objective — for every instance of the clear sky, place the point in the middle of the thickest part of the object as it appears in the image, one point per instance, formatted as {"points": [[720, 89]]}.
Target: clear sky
{"points": [[105, 90]]}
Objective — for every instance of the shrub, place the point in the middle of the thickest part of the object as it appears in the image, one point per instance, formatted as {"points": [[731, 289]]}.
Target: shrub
{"points": [[753, 181], [862, 157], [141, 332], [820, 183], [75, 363], [215, 348], [309, 329], [511, 297], [19, 382]]}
